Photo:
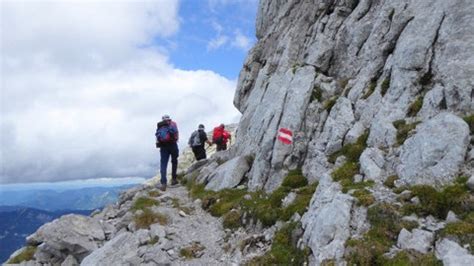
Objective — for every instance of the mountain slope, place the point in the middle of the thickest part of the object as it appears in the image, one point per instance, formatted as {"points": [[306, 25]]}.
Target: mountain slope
{"points": [[16, 223]]}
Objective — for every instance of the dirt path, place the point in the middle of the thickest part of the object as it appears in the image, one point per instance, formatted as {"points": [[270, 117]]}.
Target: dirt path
{"points": [[191, 231]]}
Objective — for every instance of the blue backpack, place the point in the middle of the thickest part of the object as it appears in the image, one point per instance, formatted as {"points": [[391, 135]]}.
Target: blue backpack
{"points": [[166, 134]]}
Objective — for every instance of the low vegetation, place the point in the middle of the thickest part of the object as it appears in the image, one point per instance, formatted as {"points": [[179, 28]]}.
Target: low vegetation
{"points": [[370, 89], [364, 197], [415, 107], [412, 257], [316, 94], [403, 130], [267, 208], [143, 202], [192, 251], [329, 103], [351, 151], [470, 121], [390, 181], [283, 250], [385, 86], [148, 217], [346, 172], [25, 255], [455, 197], [462, 230], [154, 193], [386, 225]]}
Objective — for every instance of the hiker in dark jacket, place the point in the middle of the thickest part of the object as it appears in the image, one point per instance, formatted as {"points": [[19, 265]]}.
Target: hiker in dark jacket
{"points": [[197, 142], [167, 136]]}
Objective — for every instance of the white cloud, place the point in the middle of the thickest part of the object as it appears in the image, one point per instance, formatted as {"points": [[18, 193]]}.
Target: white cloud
{"points": [[217, 42], [241, 41], [83, 88]]}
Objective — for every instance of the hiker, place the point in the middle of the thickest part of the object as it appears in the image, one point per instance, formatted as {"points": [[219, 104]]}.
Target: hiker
{"points": [[197, 142], [167, 136], [220, 137]]}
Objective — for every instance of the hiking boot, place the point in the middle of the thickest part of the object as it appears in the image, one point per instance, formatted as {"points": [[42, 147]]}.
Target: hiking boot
{"points": [[174, 182], [163, 187]]}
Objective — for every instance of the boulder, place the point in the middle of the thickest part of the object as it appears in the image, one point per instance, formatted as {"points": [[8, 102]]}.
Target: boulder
{"points": [[371, 164], [434, 155], [70, 261], [115, 252], [470, 182], [327, 222], [71, 234], [452, 254], [354, 133], [229, 174], [419, 240]]}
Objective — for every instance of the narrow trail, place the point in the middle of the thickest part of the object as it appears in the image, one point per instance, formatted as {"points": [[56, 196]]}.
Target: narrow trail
{"points": [[190, 227]]}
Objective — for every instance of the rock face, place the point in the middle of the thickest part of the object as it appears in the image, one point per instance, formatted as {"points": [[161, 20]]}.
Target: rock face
{"points": [[229, 174], [74, 235], [435, 154], [452, 254]]}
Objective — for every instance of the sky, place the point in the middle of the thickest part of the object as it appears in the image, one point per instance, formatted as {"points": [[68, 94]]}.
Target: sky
{"points": [[83, 83]]}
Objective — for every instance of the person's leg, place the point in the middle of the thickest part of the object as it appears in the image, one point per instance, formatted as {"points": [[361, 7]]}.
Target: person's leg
{"points": [[174, 160], [224, 146], [165, 156], [196, 153], [203, 153]]}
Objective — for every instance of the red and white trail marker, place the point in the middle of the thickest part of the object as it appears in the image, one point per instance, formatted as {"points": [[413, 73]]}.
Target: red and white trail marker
{"points": [[285, 136]]}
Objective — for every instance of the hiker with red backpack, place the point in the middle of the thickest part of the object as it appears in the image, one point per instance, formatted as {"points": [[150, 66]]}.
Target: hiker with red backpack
{"points": [[167, 136], [220, 137]]}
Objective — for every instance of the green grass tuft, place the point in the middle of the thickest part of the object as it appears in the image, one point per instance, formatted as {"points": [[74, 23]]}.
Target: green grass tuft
{"points": [[148, 217], [144, 202], [455, 197], [370, 89], [346, 171], [412, 257], [470, 121], [316, 94], [415, 107], [295, 179], [462, 230], [364, 197], [25, 255], [154, 193], [329, 103], [403, 130], [385, 86], [231, 220], [351, 151], [283, 250], [191, 251], [385, 227], [390, 181]]}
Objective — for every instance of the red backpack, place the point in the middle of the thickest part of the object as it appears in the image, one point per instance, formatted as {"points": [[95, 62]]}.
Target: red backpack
{"points": [[218, 135]]}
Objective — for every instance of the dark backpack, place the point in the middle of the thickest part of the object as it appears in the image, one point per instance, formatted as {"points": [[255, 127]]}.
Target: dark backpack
{"points": [[166, 134], [195, 139]]}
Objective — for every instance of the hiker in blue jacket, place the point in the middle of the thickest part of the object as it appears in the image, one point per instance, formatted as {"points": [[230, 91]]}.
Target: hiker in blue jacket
{"points": [[167, 136]]}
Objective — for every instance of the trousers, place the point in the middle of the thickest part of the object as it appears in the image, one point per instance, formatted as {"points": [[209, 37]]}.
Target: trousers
{"points": [[167, 151]]}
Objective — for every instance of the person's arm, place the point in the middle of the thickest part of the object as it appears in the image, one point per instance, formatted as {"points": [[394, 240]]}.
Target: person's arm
{"points": [[205, 139]]}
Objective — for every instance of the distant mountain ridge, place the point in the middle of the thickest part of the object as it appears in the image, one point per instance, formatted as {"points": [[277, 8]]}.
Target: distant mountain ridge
{"points": [[74, 199], [17, 222]]}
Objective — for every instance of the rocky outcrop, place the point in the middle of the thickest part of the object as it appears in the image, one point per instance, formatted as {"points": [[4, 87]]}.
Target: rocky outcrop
{"points": [[452, 254], [74, 235], [435, 154]]}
